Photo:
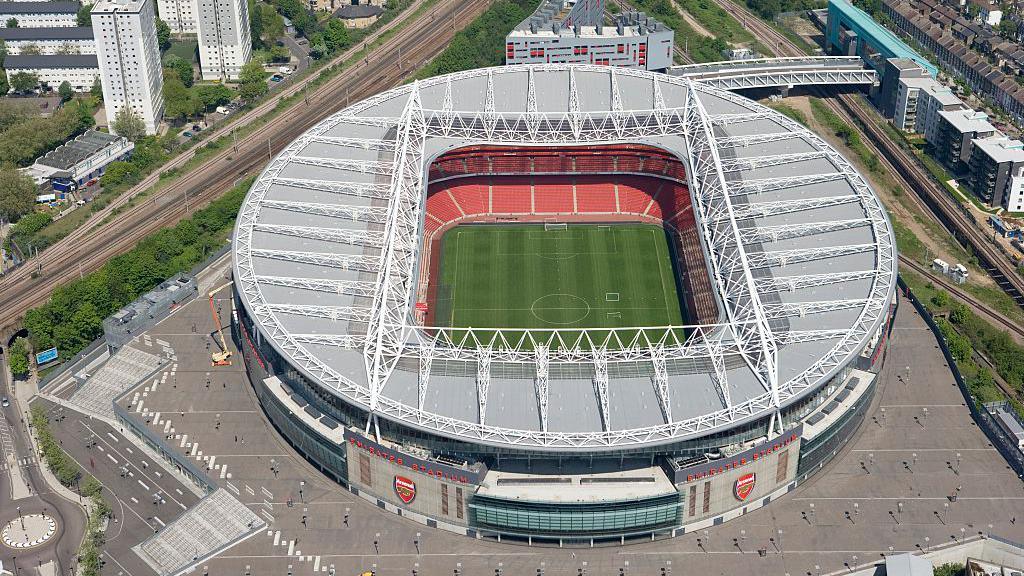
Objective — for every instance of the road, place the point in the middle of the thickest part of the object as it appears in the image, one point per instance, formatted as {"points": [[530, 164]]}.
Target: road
{"points": [[69, 516], [130, 481], [84, 251]]}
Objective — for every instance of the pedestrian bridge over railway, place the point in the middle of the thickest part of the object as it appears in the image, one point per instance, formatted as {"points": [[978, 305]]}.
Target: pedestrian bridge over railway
{"points": [[784, 72]]}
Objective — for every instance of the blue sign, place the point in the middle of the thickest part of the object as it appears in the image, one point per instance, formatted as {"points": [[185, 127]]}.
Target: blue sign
{"points": [[46, 356]]}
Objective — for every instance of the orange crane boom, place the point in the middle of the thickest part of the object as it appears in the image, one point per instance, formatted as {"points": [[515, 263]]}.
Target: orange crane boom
{"points": [[223, 357]]}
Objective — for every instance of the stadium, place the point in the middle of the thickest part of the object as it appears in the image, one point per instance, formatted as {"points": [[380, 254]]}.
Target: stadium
{"points": [[563, 303]]}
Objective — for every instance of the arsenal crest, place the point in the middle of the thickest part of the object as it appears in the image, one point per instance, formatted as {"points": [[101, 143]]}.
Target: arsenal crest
{"points": [[406, 489], [744, 486]]}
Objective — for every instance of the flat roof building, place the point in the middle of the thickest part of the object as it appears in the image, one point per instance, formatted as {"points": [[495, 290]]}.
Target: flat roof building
{"points": [[79, 70], [82, 158], [129, 59], [997, 172], [40, 14], [918, 102], [49, 40], [570, 32], [955, 131]]}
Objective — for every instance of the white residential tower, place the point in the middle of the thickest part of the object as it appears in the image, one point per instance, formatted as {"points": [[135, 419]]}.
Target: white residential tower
{"points": [[180, 15], [129, 59], [225, 44]]}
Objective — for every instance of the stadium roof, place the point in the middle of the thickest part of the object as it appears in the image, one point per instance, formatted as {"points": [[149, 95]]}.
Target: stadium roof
{"points": [[799, 248]]}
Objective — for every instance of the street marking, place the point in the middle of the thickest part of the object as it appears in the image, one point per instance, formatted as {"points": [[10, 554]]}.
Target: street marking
{"points": [[291, 547], [269, 518], [210, 465], [112, 458], [184, 438], [178, 490], [112, 437], [159, 521], [233, 488], [128, 450], [223, 471], [100, 448], [277, 538], [316, 564], [134, 500], [143, 484], [266, 492], [249, 490]]}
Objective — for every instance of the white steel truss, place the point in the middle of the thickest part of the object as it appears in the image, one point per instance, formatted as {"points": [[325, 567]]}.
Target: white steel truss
{"points": [[363, 143], [334, 340], [340, 235], [483, 381], [391, 334], [762, 185], [375, 167], [355, 313], [791, 283], [358, 213], [541, 385], [761, 161], [788, 309], [601, 386], [359, 189], [359, 262], [786, 231], [785, 257], [350, 287], [661, 382]]}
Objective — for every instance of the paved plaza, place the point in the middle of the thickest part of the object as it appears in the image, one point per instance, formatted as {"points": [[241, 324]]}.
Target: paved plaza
{"points": [[28, 531], [918, 474]]}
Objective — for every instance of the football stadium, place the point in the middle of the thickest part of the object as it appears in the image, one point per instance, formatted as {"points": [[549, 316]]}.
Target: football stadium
{"points": [[563, 304]]}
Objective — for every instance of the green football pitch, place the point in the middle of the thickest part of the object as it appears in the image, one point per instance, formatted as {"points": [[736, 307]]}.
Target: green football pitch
{"points": [[580, 276]]}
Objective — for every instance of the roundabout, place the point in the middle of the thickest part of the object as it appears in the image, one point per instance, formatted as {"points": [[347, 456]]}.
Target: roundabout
{"points": [[28, 531]]}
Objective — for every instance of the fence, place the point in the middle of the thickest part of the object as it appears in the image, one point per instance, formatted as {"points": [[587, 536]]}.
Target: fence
{"points": [[999, 440]]}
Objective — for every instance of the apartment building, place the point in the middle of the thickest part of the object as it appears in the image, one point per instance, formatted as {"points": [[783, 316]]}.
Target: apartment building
{"points": [[225, 43]]}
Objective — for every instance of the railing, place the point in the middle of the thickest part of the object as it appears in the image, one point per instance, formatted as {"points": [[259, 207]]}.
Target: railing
{"points": [[1006, 448]]}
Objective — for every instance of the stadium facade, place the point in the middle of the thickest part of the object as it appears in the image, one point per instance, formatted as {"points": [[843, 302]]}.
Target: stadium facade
{"points": [[787, 268]]}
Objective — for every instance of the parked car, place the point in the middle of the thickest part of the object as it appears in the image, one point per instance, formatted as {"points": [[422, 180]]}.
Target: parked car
{"points": [[187, 134], [196, 128], [5, 402], [276, 78]]}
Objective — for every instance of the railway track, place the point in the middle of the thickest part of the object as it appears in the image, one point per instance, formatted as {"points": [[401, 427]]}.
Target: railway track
{"points": [[170, 204]]}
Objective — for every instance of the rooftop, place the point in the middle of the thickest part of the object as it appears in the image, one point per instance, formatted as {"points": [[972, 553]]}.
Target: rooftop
{"points": [[105, 6], [935, 89], [11, 8], [47, 33], [968, 121], [66, 156], [39, 61], [574, 483]]}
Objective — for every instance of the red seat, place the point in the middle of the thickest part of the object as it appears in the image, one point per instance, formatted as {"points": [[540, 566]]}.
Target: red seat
{"points": [[595, 195], [510, 195], [553, 195]]}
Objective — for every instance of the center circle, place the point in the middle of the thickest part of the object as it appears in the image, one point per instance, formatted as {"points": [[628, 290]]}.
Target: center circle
{"points": [[560, 309], [28, 531]]}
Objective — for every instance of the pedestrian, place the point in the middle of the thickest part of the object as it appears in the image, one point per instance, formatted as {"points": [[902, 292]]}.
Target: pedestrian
{"points": [[1013, 520], [236, 437]]}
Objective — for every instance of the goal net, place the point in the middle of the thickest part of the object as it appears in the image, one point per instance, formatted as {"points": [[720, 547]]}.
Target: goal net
{"points": [[548, 226]]}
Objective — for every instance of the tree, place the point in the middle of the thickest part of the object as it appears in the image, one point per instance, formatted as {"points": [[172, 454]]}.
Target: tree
{"points": [[128, 124], [255, 25], [317, 51], [65, 90], [4, 86], [163, 35], [336, 36], [68, 48], [959, 313], [280, 54], [12, 22], [97, 88], [24, 81], [1008, 28], [116, 173], [18, 357], [271, 24], [17, 193], [252, 81], [182, 68], [31, 50], [212, 95], [84, 17], [941, 299], [180, 101]]}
